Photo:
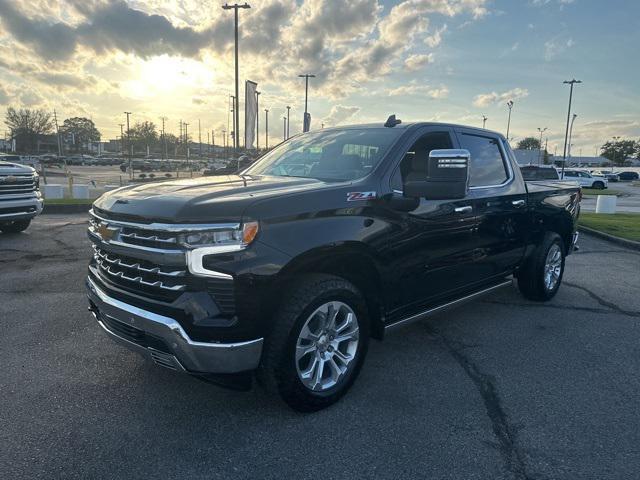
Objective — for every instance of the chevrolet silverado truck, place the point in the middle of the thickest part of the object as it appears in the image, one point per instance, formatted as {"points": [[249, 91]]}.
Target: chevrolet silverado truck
{"points": [[20, 198], [285, 271]]}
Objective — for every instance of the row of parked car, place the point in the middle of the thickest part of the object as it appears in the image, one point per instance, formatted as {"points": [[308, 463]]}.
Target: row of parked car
{"points": [[598, 179]]}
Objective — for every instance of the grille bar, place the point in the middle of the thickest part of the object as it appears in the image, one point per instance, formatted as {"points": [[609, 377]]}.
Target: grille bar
{"points": [[119, 269]]}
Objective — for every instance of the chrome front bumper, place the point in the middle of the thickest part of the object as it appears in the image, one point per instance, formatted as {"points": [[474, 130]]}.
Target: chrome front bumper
{"points": [[27, 203], [185, 354]]}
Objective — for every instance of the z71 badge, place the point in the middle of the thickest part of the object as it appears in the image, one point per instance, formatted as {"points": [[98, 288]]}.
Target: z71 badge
{"points": [[357, 196]]}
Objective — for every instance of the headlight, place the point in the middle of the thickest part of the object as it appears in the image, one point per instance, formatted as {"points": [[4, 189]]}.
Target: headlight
{"points": [[240, 237], [205, 243], [36, 179]]}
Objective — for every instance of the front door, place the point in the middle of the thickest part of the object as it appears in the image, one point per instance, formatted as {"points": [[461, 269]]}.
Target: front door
{"points": [[431, 247]]}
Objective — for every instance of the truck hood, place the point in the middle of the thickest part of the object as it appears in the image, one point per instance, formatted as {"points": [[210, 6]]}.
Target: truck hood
{"points": [[199, 200], [7, 168]]}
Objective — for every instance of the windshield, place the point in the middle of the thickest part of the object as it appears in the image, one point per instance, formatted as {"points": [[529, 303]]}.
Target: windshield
{"points": [[332, 155]]}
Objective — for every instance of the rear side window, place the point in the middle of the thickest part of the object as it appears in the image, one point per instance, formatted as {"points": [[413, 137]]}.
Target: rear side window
{"points": [[487, 165]]}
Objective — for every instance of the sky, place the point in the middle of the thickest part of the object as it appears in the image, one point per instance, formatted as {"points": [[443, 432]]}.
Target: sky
{"points": [[423, 60]]}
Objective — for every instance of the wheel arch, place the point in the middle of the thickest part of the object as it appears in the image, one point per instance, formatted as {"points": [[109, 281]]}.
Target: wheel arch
{"points": [[350, 261]]}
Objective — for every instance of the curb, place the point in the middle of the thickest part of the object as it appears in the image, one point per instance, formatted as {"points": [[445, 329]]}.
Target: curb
{"points": [[632, 244], [77, 208]]}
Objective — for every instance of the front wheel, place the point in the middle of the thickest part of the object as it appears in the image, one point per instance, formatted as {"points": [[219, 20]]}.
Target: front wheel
{"points": [[15, 226], [318, 343], [598, 185], [541, 276]]}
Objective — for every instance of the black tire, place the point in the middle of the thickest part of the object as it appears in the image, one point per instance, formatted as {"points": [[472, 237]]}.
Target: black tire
{"points": [[598, 185], [278, 372], [531, 278], [16, 226]]}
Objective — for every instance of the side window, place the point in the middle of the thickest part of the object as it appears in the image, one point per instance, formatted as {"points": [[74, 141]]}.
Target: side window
{"points": [[487, 165], [415, 160]]}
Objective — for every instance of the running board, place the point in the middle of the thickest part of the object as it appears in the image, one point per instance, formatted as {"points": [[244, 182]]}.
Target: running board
{"points": [[446, 306]]}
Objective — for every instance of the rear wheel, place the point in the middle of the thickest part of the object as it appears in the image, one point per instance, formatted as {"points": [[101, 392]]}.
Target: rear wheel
{"points": [[318, 344], [15, 226], [541, 276]]}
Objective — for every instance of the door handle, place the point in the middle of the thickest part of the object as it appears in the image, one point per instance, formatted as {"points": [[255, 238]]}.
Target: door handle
{"points": [[518, 203], [466, 209]]}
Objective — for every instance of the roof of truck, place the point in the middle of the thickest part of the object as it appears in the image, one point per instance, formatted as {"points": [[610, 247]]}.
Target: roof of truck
{"points": [[411, 125]]}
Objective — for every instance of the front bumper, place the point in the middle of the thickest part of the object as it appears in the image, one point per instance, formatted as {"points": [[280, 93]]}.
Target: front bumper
{"points": [[20, 208], [164, 341]]}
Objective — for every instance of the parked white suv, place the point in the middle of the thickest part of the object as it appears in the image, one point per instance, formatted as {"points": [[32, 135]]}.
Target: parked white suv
{"points": [[20, 198], [586, 179]]}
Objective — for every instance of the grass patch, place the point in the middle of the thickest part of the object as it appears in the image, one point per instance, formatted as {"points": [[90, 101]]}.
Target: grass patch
{"points": [[69, 201], [606, 191], [624, 225]]}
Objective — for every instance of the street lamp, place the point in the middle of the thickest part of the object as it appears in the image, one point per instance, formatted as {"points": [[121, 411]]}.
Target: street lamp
{"points": [[484, 121], [129, 146], [284, 128], [541, 130], [566, 132], [306, 76], [510, 105], [235, 7], [266, 128], [615, 152], [573, 119], [288, 122]]}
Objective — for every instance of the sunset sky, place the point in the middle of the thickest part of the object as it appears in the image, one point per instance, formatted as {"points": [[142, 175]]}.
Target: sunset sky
{"points": [[442, 60]]}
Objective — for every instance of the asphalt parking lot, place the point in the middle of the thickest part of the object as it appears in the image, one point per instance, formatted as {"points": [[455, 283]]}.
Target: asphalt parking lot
{"points": [[497, 389]]}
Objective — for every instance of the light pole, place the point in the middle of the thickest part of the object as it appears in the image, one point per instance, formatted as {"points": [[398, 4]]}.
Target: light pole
{"points": [[235, 8], [284, 128], [541, 130], [288, 122], [164, 140], [129, 146], [257, 121], [306, 76], [484, 121], [573, 119], [510, 105], [233, 130], [121, 139], [566, 132], [266, 128], [615, 152]]}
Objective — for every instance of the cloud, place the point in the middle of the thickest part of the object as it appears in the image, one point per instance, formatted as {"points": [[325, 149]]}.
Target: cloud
{"points": [[417, 61], [4, 95], [340, 114], [556, 46], [486, 99], [110, 26], [198, 101], [413, 89], [435, 39]]}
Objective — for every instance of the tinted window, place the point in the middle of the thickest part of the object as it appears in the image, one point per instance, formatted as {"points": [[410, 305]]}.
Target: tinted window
{"points": [[487, 165], [416, 158], [536, 173]]}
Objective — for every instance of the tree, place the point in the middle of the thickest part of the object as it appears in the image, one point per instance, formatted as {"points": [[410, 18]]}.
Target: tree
{"points": [[26, 124], [143, 135], [81, 131], [618, 151], [529, 143]]}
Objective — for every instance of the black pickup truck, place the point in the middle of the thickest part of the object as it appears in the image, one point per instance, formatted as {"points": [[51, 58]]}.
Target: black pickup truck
{"points": [[285, 271]]}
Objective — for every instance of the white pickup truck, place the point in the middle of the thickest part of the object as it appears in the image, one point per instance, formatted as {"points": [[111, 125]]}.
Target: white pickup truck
{"points": [[20, 198]]}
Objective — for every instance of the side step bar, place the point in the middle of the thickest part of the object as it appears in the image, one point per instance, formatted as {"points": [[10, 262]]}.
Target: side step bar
{"points": [[446, 306]]}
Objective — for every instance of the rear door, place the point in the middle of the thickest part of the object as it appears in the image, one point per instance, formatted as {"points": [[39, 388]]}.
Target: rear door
{"points": [[499, 201]]}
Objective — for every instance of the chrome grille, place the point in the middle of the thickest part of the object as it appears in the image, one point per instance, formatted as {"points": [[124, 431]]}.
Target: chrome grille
{"points": [[17, 184], [138, 236], [136, 274]]}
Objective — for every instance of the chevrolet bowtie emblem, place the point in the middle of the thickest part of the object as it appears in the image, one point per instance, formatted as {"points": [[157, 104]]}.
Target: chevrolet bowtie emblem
{"points": [[106, 232], [10, 179]]}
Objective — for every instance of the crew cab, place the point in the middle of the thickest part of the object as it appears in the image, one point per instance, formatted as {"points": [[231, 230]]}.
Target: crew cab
{"points": [[285, 271], [20, 198]]}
